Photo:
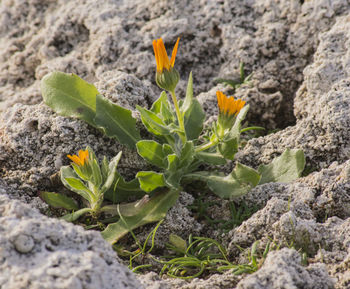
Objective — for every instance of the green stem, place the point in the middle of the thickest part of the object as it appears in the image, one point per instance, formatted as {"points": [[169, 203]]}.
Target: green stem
{"points": [[179, 116], [206, 146]]}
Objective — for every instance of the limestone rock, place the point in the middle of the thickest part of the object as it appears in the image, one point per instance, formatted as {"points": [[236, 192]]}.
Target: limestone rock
{"points": [[41, 252]]}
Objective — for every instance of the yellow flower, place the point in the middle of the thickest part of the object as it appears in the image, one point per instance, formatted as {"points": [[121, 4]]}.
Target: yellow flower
{"points": [[228, 106], [167, 76], [162, 59], [81, 159]]}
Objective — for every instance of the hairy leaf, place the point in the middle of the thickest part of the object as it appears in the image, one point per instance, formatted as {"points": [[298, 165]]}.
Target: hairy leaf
{"points": [[149, 181], [59, 201], [236, 184], [285, 168], [69, 95], [122, 191], [152, 152], [153, 123], [140, 213], [71, 181], [116, 122]]}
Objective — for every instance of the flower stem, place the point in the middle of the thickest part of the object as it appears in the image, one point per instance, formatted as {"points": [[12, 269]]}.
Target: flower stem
{"points": [[206, 146], [179, 116]]}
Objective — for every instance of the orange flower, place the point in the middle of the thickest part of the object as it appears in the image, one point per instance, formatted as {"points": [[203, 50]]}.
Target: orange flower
{"points": [[162, 59], [228, 106], [81, 159]]}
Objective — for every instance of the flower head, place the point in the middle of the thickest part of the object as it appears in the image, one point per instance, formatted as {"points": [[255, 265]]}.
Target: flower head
{"points": [[162, 59], [228, 110], [228, 106], [167, 76], [81, 158]]}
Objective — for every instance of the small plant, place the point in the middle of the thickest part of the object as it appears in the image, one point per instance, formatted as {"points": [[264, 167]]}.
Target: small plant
{"points": [[236, 83], [191, 260], [176, 151], [89, 180], [238, 213], [141, 253], [255, 260]]}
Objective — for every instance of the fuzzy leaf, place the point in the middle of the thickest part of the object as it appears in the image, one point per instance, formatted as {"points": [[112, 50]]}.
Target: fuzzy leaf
{"points": [[70, 180], [236, 184], [152, 152], [69, 95], [153, 123], [192, 112], [229, 146], [59, 201], [187, 155], [150, 180], [189, 95], [112, 169], [116, 122], [141, 213], [156, 106], [285, 168], [122, 191]]}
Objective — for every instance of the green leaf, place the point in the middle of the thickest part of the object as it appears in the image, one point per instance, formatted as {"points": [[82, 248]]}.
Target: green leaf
{"points": [[167, 149], [187, 155], [174, 172], [193, 120], [189, 95], [211, 158], [76, 215], [236, 129], [69, 95], [156, 106], [96, 172], [149, 180], [112, 169], [140, 213], [229, 146], [237, 183], [122, 191], [70, 180], [153, 123], [116, 122], [59, 201], [152, 152], [104, 168], [285, 168], [192, 112]]}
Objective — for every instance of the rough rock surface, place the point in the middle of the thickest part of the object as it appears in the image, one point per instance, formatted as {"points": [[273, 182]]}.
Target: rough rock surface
{"points": [[283, 269], [321, 107], [298, 53], [41, 252]]}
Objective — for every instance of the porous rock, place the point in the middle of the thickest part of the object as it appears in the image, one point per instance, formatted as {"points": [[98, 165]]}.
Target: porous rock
{"points": [[321, 107], [275, 40], [310, 214], [283, 269], [109, 43], [41, 252]]}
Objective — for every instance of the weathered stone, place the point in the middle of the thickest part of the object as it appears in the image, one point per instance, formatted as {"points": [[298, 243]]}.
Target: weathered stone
{"points": [[57, 254]]}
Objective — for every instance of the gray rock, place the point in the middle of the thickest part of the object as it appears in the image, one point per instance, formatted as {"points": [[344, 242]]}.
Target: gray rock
{"points": [[283, 269], [321, 107], [41, 252], [109, 43]]}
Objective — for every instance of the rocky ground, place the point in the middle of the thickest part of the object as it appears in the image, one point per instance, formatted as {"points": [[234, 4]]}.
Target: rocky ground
{"points": [[299, 54]]}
